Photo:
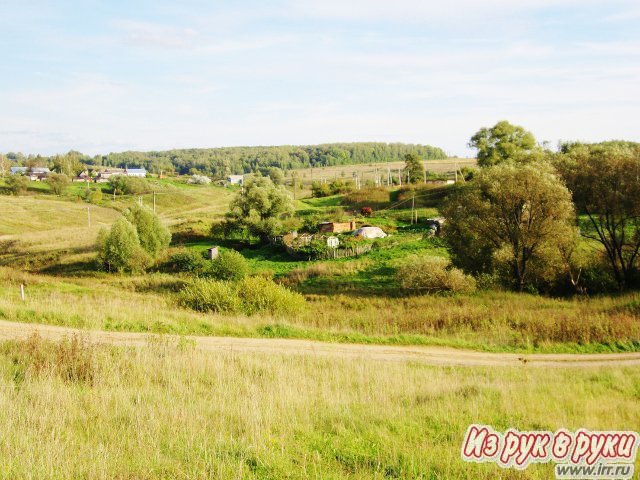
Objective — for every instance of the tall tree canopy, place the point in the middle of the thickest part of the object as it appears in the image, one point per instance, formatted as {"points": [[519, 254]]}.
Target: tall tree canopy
{"points": [[413, 169], [501, 142], [511, 215], [153, 235], [259, 208], [605, 181]]}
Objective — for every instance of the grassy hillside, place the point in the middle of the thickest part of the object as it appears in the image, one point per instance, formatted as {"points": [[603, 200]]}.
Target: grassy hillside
{"points": [[349, 300], [167, 411]]}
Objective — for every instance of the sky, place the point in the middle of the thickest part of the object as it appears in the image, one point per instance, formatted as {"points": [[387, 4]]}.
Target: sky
{"points": [[108, 76]]}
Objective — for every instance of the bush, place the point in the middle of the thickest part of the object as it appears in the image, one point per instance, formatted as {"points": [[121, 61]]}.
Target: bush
{"points": [[434, 275], [260, 295], [17, 184], [209, 296], [187, 261], [229, 265], [93, 196], [250, 296], [319, 189], [120, 250], [199, 180], [58, 183], [121, 184], [366, 211], [153, 235]]}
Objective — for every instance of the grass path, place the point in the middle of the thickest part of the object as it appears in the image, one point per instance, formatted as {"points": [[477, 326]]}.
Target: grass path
{"points": [[424, 355]]}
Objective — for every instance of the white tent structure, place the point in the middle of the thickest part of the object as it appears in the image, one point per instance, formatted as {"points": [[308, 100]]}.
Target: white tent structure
{"points": [[369, 232]]}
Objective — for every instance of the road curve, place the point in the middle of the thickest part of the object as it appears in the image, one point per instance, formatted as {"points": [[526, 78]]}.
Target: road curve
{"points": [[425, 355]]}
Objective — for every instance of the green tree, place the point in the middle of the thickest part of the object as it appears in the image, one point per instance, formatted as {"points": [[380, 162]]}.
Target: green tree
{"points": [[119, 249], [259, 209], [5, 165], [17, 184], [512, 216], [413, 169], [604, 181], [501, 142], [276, 175], [123, 185], [58, 182], [70, 164], [152, 234]]}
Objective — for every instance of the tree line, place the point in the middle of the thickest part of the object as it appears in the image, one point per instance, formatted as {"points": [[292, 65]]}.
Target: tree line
{"points": [[220, 162]]}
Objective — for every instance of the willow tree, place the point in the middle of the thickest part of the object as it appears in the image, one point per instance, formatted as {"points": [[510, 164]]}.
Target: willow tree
{"points": [[258, 210], [501, 142], [513, 215], [605, 182]]}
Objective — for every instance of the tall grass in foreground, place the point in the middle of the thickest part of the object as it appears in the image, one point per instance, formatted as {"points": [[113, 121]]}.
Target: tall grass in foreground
{"points": [[168, 411]]}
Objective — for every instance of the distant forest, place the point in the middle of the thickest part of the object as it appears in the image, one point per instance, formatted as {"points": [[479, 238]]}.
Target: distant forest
{"points": [[219, 162]]}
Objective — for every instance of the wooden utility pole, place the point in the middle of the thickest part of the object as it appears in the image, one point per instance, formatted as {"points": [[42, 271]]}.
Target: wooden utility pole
{"points": [[413, 206]]}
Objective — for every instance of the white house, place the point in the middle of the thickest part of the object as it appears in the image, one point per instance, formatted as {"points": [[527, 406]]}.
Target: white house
{"points": [[235, 179], [18, 170], [135, 172]]}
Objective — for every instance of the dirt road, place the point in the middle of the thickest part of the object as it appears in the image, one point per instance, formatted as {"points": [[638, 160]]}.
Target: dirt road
{"points": [[426, 355]]}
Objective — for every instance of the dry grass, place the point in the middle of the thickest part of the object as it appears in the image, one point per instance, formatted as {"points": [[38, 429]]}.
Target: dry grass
{"points": [[367, 171], [495, 321], [169, 411]]}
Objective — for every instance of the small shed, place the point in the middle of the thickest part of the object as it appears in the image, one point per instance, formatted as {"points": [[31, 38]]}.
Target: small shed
{"points": [[135, 172], [337, 227], [212, 253], [333, 242], [235, 179]]}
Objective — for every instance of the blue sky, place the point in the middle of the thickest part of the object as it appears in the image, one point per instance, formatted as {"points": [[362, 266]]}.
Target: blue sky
{"points": [[100, 76]]}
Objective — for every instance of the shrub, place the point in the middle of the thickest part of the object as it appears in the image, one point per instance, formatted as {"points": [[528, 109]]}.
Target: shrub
{"points": [[209, 296], [58, 183], [319, 189], [433, 274], [366, 211], [199, 180], [187, 261], [260, 295], [121, 184], [17, 184], [229, 265], [341, 186], [250, 296], [153, 235], [93, 196], [120, 250]]}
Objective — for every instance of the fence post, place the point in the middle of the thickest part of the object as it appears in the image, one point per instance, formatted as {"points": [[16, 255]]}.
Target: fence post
{"points": [[22, 292]]}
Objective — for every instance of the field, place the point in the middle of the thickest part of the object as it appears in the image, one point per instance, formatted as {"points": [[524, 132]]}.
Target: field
{"points": [[166, 409], [368, 171]]}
